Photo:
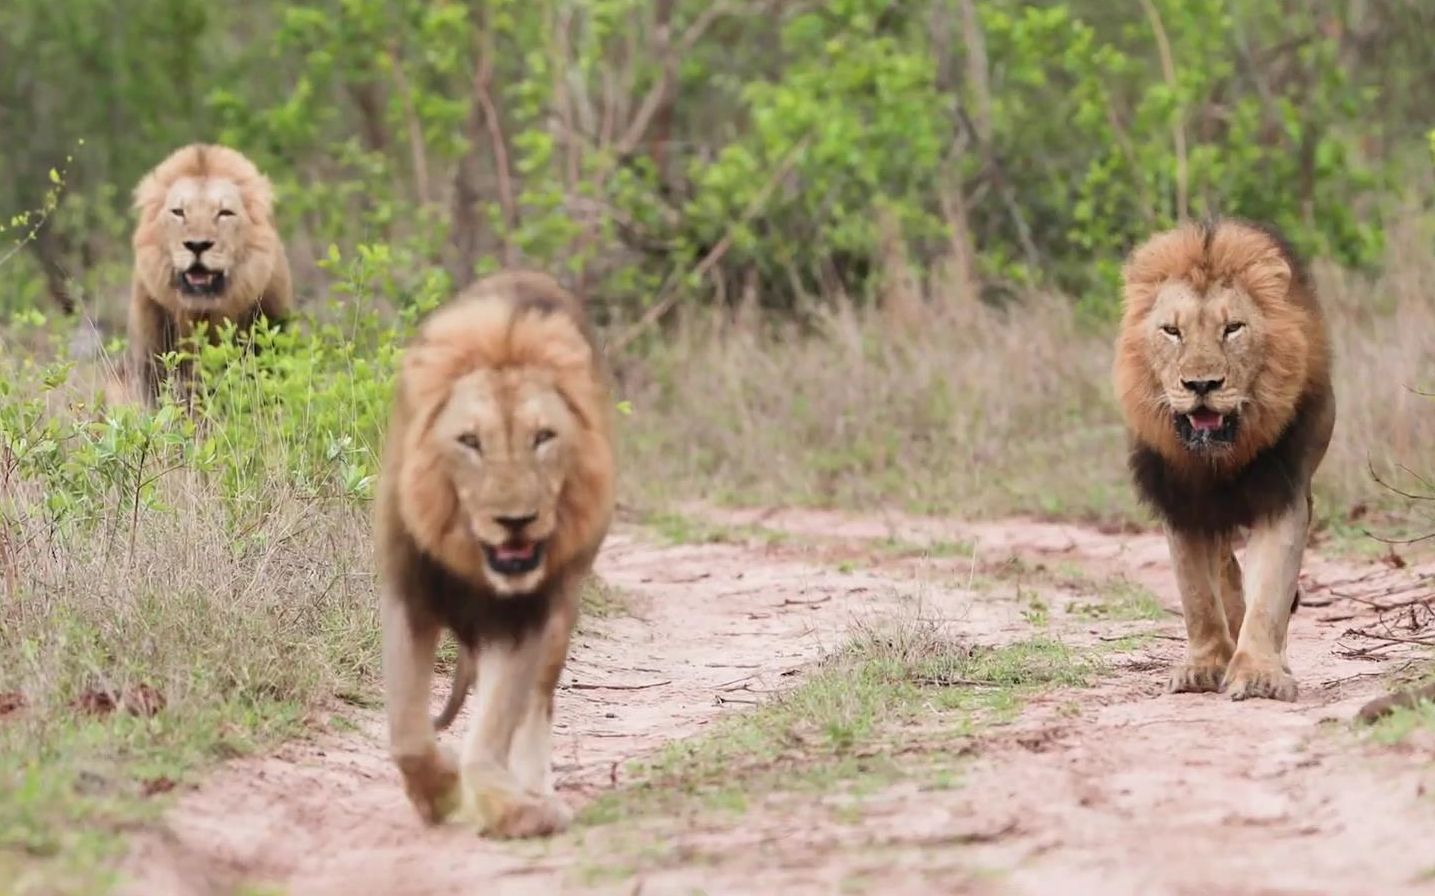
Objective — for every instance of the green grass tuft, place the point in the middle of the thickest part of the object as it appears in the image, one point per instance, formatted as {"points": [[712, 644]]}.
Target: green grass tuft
{"points": [[892, 685]]}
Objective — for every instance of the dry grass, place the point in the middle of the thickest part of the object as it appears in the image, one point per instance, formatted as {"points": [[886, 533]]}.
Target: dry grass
{"points": [[979, 411], [283, 609], [126, 669], [968, 410]]}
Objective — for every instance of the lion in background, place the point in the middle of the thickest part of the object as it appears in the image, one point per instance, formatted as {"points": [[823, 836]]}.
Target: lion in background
{"points": [[495, 493], [206, 251], [1222, 372]]}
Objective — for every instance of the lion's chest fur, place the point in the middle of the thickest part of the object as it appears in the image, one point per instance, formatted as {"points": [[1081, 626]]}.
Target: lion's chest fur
{"points": [[473, 612], [1206, 501]]}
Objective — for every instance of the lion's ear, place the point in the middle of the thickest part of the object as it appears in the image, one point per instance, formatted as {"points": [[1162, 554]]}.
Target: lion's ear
{"points": [[260, 197], [1270, 277], [148, 195], [412, 366], [425, 374]]}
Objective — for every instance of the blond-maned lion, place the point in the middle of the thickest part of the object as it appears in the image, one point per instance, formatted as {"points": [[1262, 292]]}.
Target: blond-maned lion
{"points": [[495, 494], [1222, 372], [206, 250]]}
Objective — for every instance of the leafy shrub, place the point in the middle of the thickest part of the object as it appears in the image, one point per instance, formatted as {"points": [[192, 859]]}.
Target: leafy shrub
{"points": [[701, 152]]}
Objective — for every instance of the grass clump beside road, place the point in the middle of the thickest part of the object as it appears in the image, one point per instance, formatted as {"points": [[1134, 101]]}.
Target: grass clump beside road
{"points": [[895, 697]]}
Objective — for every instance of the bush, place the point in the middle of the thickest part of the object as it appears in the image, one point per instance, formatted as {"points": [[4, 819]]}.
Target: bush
{"points": [[703, 152]]}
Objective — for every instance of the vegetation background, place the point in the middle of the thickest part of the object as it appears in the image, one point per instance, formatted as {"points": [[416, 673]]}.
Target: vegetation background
{"points": [[855, 252]]}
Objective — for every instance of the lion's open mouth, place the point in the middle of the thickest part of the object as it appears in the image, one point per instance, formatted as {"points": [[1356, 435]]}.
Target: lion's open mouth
{"points": [[1205, 420], [514, 558], [198, 280], [1205, 428]]}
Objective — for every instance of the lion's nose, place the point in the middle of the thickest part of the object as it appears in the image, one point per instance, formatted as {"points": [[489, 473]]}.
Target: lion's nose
{"points": [[1202, 387], [198, 246], [515, 524]]}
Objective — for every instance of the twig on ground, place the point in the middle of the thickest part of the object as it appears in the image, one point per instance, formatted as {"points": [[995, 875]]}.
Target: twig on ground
{"points": [[789, 602], [586, 686]]}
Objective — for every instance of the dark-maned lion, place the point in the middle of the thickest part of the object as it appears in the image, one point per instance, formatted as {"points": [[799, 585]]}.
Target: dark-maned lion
{"points": [[495, 494], [1222, 372]]}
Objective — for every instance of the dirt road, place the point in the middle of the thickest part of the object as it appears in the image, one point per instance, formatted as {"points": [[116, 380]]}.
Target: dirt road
{"points": [[1113, 789]]}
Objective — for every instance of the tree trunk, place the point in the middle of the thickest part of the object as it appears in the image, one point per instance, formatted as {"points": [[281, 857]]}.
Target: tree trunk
{"points": [[50, 253]]}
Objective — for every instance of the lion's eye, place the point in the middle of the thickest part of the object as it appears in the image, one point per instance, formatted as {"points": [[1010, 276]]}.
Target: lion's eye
{"points": [[543, 435], [470, 441], [1173, 332], [225, 213], [1234, 327], [177, 212]]}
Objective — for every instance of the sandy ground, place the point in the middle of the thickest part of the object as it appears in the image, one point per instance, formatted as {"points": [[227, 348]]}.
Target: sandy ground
{"points": [[1132, 791]]}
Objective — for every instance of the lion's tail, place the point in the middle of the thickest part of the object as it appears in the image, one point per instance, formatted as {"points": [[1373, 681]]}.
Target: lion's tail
{"points": [[462, 681]]}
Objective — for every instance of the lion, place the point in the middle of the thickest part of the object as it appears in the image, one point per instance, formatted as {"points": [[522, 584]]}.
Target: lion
{"points": [[494, 496], [206, 251], [1222, 373]]}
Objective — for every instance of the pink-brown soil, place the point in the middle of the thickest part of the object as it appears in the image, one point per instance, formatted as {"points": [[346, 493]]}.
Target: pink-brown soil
{"points": [[1115, 788]]}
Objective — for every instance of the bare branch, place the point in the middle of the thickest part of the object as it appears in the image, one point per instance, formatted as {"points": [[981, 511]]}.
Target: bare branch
{"points": [[417, 149], [996, 173], [671, 54], [1402, 493], [976, 47], [493, 122]]}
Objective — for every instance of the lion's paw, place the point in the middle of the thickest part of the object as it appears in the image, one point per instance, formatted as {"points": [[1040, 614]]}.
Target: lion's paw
{"points": [[1247, 679], [513, 816], [1195, 678], [532, 817], [431, 783]]}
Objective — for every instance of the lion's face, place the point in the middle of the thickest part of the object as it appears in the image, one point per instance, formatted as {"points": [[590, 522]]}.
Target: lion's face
{"points": [[505, 441], [1205, 350], [204, 225]]}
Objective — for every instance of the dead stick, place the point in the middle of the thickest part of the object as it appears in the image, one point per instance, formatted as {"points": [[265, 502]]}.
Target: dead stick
{"points": [[584, 686]]}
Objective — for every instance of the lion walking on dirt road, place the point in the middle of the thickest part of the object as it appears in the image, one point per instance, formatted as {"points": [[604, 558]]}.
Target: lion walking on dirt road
{"points": [[495, 494], [1222, 372]]}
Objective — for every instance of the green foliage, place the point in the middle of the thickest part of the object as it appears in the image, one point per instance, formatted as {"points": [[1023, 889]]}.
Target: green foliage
{"points": [[283, 411], [1099, 92], [854, 117], [704, 151]]}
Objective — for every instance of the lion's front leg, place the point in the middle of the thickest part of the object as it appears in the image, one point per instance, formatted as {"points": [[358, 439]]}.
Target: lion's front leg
{"points": [[429, 773], [1233, 601], [530, 756], [151, 334], [1272, 571], [1200, 562], [510, 715]]}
